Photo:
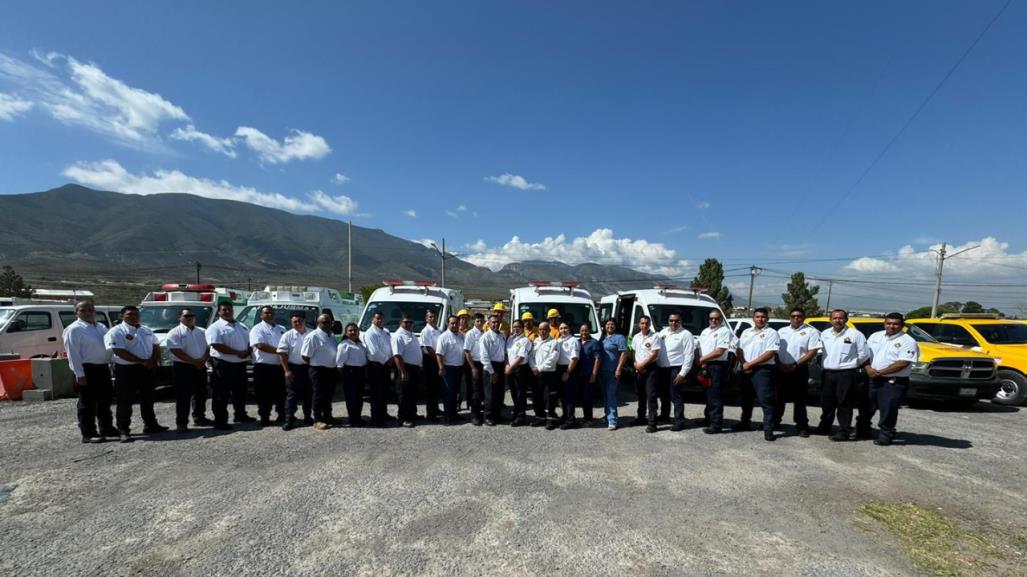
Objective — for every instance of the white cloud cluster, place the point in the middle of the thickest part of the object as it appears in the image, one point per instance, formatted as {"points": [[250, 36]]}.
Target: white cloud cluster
{"points": [[990, 258], [709, 235], [298, 145], [411, 213], [110, 175], [599, 247], [224, 146], [340, 178], [11, 106], [515, 181]]}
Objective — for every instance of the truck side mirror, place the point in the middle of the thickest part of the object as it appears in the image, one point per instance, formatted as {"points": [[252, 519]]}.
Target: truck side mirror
{"points": [[17, 325], [337, 328]]}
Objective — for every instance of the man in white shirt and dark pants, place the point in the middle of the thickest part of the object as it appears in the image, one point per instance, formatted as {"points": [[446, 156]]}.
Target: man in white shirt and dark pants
{"points": [[757, 351], [429, 335], [492, 352], [646, 346], [800, 344], [677, 353], [406, 353], [268, 376], [475, 390], [188, 345], [296, 372], [449, 354], [547, 379], [229, 341], [319, 351], [136, 352], [715, 345], [893, 353], [379, 356], [845, 351], [88, 359]]}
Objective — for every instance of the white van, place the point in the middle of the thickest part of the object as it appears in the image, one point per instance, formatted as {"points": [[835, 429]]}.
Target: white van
{"points": [[626, 307], [572, 302], [414, 298], [311, 301], [35, 330], [739, 325]]}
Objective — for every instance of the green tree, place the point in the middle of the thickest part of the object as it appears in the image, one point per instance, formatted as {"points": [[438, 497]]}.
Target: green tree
{"points": [[366, 291], [801, 294], [972, 307], [711, 277], [12, 285]]}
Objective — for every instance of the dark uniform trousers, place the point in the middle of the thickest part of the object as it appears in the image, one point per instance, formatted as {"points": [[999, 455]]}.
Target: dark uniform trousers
{"points": [[495, 393], [568, 392], [131, 380], [792, 387], [519, 381], [378, 383], [94, 401], [298, 392], [190, 392], [354, 380], [475, 389], [451, 390], [546, 396], [842, 391], [886, 394], [667, 375], [322, 383], [432, 385], [583, 391], [228, 383], [407, 393], [718, 372], [269, 381], [759, 385], [645, 383]]}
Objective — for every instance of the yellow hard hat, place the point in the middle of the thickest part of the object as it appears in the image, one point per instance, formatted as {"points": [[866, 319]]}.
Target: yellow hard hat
{"points": [[552, 313], [463, 313], [527, 317], [499, 307]]}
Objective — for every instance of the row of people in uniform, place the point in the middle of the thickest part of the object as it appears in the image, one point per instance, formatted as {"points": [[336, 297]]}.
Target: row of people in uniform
{"points": [[300, 368]]}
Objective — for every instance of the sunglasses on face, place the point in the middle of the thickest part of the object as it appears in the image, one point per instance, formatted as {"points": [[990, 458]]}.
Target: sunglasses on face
{"points": [[188, 316]]}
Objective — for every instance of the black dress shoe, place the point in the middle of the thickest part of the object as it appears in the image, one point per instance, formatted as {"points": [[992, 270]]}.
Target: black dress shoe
{"points": [[265, 422], [882, 441], [804, 433], [124, 438], [822, 431], [650, 429], [244, 419], [203, 422], [308, 421], [742, 426], [289, 425], [222, 426], [769, 436], [111, 432], [550, 425], [566, 425], [711, 430], [154, 429], [182, 429], [864, 434], [677, 426], [840, 437], [490, 423], [517, 422], [93, 439], [476, 421], [538, 422]]}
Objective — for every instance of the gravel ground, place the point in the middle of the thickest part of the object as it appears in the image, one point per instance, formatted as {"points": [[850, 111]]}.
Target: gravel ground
{"points": [[488, 501]]}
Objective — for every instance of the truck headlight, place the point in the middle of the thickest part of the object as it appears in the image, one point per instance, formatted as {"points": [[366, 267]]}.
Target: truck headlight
{"points": [[920, 367]]}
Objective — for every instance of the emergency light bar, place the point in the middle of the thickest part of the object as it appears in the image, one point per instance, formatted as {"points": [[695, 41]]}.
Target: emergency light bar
{"points": [[664, 288], [545, 283], [196, 288], [396, 282]]}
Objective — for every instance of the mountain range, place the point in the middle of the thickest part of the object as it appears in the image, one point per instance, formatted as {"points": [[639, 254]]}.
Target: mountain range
{"points": [[122, 245]]}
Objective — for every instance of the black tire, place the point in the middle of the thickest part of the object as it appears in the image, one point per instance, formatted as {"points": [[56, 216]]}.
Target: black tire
{"points": [[1014, 388]]}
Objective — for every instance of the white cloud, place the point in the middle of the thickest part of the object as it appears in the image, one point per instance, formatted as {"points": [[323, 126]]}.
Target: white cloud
{"points": [[462, 208], [411, 213], [708, 235], [598, 247], [703, 204], [456, 212], [991, 259], [11, 106], [110, 175], [225, 146], [80, 93], [427, 242], [676, 229], [515, 181], [298, 145], [340, 178]]}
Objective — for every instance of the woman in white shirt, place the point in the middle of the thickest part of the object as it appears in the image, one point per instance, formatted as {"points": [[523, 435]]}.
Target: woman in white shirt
{"points": [[351, 358]]}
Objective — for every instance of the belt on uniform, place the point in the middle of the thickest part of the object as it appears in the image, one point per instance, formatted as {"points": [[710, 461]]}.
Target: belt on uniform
{"points": [[94, 364], [852, 370]]}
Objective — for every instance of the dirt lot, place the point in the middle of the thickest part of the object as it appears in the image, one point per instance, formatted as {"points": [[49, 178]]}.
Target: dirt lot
{"points": [[498, 501]]}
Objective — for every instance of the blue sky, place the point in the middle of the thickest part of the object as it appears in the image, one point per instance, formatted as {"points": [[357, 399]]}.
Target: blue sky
{"points": [[647, 134]]}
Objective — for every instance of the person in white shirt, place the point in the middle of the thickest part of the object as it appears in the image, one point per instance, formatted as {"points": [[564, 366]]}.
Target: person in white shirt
{"points": [[379, 357], [677, 354], [757, 351], [295, 371], [845, 352], [351, 359], [318, 351], [715, 346], [893, 353], [229, 341], [88, 359], [136, 353], [432, 382], [406, 353], [566, 364], [189, 353], [492, 352], [546, 395], [646, 346], [519, 360], [475, 390], [449, 355], [800, 344], [268, 376]]}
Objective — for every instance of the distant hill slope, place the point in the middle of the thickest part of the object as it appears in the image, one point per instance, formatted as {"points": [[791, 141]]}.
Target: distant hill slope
{"points": [[90, 237]]}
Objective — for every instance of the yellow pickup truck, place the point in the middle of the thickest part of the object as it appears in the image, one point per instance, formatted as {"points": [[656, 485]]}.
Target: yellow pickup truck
{"points": [[943, 373], [1001, 339]]}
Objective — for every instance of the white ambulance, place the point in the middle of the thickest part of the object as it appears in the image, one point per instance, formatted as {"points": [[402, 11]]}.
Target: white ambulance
{"points": [[626, 307], [415, 298], [160, 309], [573, 303], [310, 300]]}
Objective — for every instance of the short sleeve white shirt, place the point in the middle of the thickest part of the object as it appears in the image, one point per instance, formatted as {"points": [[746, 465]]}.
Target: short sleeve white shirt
{"points": [[406, 346], [268, 334], [379, 344], [319, 347], [136, 340], [232, 335], [191, 341], [711, 340], [885, 351], [451, 346], [755, 342], [847, 350], [291, 344], [797, 342], [644, 345]]}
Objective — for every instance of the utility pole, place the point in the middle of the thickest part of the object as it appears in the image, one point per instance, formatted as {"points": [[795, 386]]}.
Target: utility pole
{"points": [[830, 284], [941, 265], [442, 253], [753, 271], [349, 255], [198, 266]]}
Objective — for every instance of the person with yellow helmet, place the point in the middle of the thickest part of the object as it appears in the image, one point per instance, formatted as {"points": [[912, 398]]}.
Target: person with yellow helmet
{"points": [[463, 317], [553, 318], [530, 331], [499, 309]]}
